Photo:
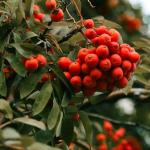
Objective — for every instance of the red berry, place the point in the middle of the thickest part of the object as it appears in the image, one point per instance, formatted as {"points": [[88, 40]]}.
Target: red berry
{"points": [[104, 39], [101, 30], [107, 126], [114, 47], [82, 53], [45, 77], [89, 23], [115, 60], [88, 82], [96, 41], [134, 57], [57, 15], [101, 137], [91, 60], [85, 69], [96, 74], [122, 82], [120, 132], [64, 63], [76, 81], [125, 46], [39, 16], [36, 9], [31, 64], [87, 92], [92, 50], [126, 65], [76, 117], [105, 64], [50, 4], [90, 33], [117, 73], [102, 147], [102, 51], [133, 68], [41, 60], [102, 85], [74, 68], [115, 35], [124, 53], [67, 75], [36, 20]]}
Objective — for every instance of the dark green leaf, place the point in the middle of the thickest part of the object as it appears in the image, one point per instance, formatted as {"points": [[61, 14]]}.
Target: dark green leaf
{"points": [[3, 87]]}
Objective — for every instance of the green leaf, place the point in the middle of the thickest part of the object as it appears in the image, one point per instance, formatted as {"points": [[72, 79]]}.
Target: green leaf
{"points": [[32, 122], [17, 37], [67, 129], [29, 83], [53, 115], [3, 87], [87, 126], [16, 64], [30, 35], [42, 99], [9, 133], [5, 107], [29, 7]]}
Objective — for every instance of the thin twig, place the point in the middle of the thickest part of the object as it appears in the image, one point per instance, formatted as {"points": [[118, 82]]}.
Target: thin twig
{"points": [[90, 3]]}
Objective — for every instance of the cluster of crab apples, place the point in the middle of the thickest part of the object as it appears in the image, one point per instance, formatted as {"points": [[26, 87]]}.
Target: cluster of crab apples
{"points": [[106, 65]]}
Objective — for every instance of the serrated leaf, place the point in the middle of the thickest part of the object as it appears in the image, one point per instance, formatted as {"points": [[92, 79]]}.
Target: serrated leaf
{"points": [[5, 107], [32, 122], [42, 99], [16, 64], [87, 126], [3, 87], [53, 116]]}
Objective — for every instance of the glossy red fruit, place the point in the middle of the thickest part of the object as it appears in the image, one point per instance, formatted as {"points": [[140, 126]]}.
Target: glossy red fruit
{"points": [[76, 117], [105, 64], [115, 35], [122, 82], [117, 73], [64, 63], [67, 75], [124, 53], [96, 41], [36, 9], [134, 57], [115, 60], [96, 74], [89, 23], [101, 30], [126, 65], [41, 60], [88, 82], [133, 67], [92, 50], [102, 51], [85, 69], [50, 4], [45, 77], [102, 85], [76, 81], [74, 68], [39, 16], [82, 54], [107, 126], [101, 137], [114, 47], [120, 132], [124, 45], [90, 33], [57, 15], [104, 39], [31, 64], [102, 147], [91, 60]]}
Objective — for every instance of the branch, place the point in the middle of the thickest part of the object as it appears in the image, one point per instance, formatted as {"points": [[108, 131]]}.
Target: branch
{"points": [[121, 123]]}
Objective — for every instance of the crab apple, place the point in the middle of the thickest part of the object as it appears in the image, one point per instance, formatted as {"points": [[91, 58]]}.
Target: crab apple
{"points": [[102, 85], [76, 117], [39, 16], [50, 4], [90, 33], [104, 39], [64, 63], [31, 64], [103, 147], [74, 68], [82, 53], [126, 65], [88, 82], [133, 68], [105, 64], [57, 15], [114, 47], [85, 69], [122, 82], [101, 137], [89, 23], [96, 74], [76, 81], [67, 75], [87, 92], [36, 9], [134, 57], [91, 60], [96, 41], [115, 35], [101, 30], [41, 60], [107, 126], [117, 73], [45, 77], [124, 53], [115, 60], [102, 51], [124, 45], [92, 50], [120, 132]]}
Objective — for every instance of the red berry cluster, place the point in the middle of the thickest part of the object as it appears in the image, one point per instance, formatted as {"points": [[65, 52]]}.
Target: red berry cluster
{"points": [[105, 66], [56, 14], [117, 136], [33, 63]]}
